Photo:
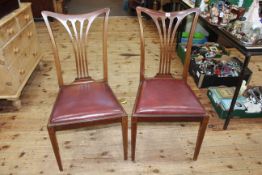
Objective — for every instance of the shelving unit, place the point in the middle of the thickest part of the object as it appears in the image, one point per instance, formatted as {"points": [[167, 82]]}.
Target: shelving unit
{"points": [[247, 51]]}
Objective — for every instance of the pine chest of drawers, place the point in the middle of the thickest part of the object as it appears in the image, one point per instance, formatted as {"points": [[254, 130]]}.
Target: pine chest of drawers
{"points": [[19, 52]]}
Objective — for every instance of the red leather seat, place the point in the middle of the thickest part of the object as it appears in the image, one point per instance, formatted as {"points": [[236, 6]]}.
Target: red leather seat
{"points": [[83, 102], [167, 96]]}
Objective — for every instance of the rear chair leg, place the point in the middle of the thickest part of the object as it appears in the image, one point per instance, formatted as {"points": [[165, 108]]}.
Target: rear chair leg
{"points": [[133, 137], [200, 136], [125, 135], [52, 136]]}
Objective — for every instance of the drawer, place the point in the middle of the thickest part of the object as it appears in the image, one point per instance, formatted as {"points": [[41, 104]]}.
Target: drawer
{"points": [[29, 35], [9, 81], [25, 17], [29, 57], [7, 31], [13, 50], [12, 76], [18, 70], [27, 60]]}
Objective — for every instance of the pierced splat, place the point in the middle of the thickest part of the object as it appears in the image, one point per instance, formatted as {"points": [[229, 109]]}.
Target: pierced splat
{"points": [[167, 25], [77, 27]]}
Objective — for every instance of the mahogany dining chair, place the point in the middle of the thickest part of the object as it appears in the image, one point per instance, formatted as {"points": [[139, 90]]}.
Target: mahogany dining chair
{"points": [[85, 101], [163, 98]]}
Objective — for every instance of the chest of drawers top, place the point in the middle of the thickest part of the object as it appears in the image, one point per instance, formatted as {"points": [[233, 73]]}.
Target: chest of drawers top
{"points": [[13, 23]]}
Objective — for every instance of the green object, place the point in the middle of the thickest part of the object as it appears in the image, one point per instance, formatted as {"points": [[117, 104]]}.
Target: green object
{"points": [[236, 113], [181, 53], [247, 3], [185, 34], [197, 35]]}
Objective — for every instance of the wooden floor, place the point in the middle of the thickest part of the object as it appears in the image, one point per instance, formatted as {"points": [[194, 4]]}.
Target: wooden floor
{"points": [[25, 146]]}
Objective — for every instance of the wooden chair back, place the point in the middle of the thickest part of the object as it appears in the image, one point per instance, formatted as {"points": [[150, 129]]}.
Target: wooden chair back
{"points": [[167, 25], [78, 27]]}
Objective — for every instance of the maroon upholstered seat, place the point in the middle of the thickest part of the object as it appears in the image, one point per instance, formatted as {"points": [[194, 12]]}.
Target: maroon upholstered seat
{"points": [[167, 96], [163, 98], [85, 101]]}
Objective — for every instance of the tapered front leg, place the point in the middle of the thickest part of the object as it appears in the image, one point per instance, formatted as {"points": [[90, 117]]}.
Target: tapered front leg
{"points": [[133, 137], [200, 136], [52, 136], [125, 136]]}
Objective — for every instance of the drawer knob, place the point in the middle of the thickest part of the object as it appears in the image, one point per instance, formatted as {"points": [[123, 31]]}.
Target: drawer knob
{"points": [[16, 50], [9, 83], [34, 54], [10, 31], [26, 17], [29, 34], [22, 72]]}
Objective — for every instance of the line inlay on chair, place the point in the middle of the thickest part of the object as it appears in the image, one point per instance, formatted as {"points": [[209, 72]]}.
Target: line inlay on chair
{"points": [[85, 101], [163, 98]]}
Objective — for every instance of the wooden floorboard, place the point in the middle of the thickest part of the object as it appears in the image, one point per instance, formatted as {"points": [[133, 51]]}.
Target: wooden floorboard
{"points": [[25, 147]]}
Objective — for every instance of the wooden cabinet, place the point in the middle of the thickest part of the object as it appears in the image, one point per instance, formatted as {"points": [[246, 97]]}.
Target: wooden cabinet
{"points": [[19, 51]]}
